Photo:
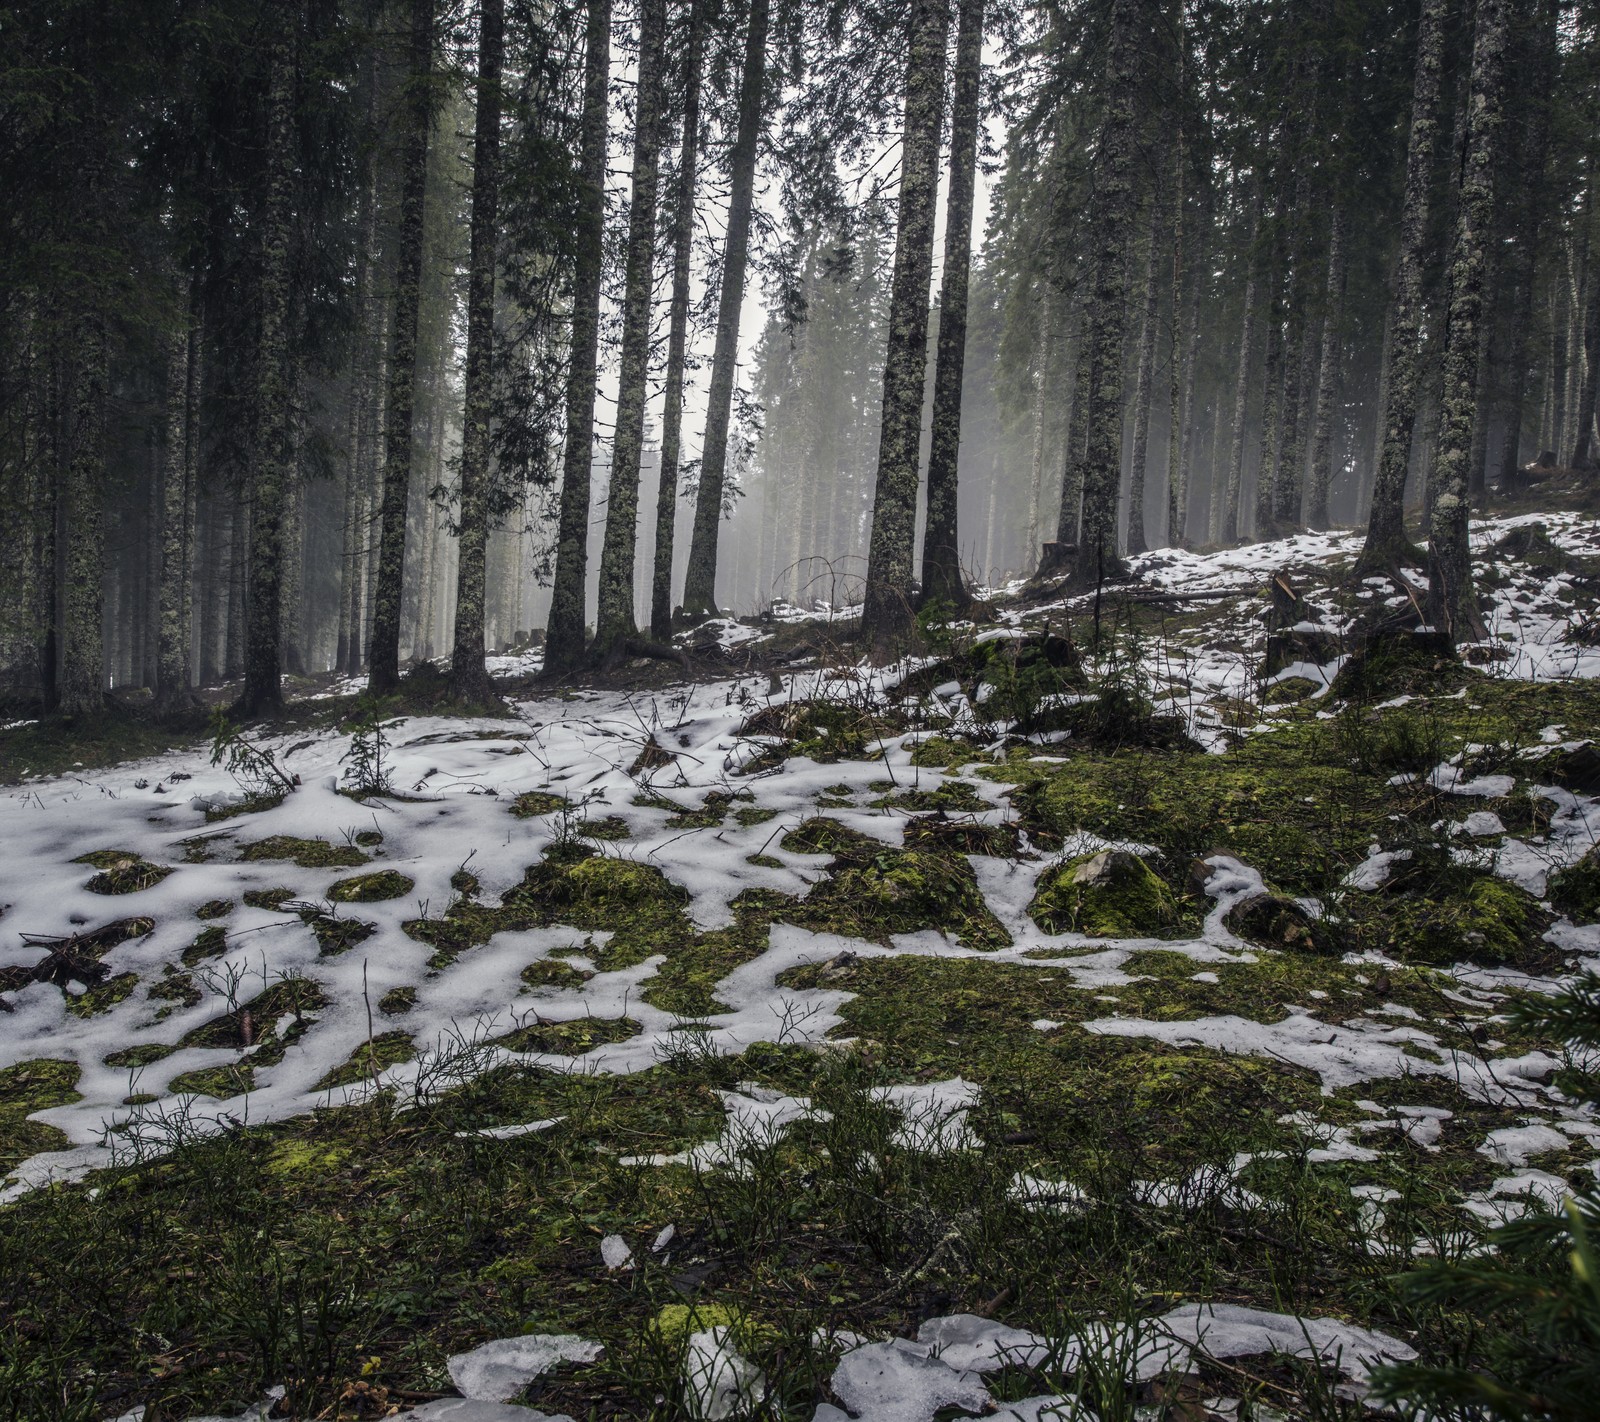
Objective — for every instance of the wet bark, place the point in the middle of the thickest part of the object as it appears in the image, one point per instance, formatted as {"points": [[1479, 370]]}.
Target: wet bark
{"points": [[1228, 525], [1386, 536], [1452, 607], [614, 617], [469, 677], [1144, 389], [565, 642], [942, 579], [177, 517], [700, 579], [1329, 376]]}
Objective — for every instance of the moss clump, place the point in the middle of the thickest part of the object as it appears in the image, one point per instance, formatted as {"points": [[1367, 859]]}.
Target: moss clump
{"points": [[369, 839], [214, 908], [175, 988], [250, 805], [369, 1059], [1112, 894], [1491, 921], [607, 828], [121, 872], [672, 1327], [292, 997], [822, 835], [25, 1088], [940, 752], [143, 1055], [221, 1082], [552, 972], [821, 730], [955, 796], [1575, 890], [103, 996], [397, 1001], [293, 1157], [962, 836], [336, 935], [307, 853], [208, 943], [270, 899], [569, 1039], [370, 888], [532, 803], [873, 892], [749, 816]]}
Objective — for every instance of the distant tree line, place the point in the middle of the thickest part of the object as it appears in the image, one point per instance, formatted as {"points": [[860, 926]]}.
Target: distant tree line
{"points": [[352, 334]]}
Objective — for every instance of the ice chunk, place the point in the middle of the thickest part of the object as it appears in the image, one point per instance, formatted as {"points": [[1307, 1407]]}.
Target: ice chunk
{"points": [[498, 1371]]}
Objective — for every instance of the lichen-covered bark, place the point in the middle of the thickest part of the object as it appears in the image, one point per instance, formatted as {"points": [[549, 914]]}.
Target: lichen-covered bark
{"points": [[1144, 388], [1583, 439], [469, 678], [942, 579], [1452, 606], [700, 578], [614, 617], [1386, 536], [1112, 213], [1328, 377], [678, 332], [886, 612], [384, 657], [1070, 515], [272, 471], [565, 641]]}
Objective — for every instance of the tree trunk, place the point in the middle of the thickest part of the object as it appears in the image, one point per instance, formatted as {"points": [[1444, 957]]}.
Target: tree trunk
{"points": [[1386, 535], [384, 656], [677, 338], [1144, 389], [1328, 378], [564, 638], [82, 688], [177, 496], [886, 611], [1070, 516], [1589, 390], [272, 471], [942, 579], [700, 578], [1228, 528], [1452, 605], [1272, 381], [469, 677], [614, 617]]}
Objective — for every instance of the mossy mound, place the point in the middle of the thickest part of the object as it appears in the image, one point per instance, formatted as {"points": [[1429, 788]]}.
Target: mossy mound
{"points": [[220, 1082], [370, 1059], [532, 803], [371, 888], [671, 1328], [143, 1055], [569, 1039], [25, 1088], [102, 997], [1399, 663], [250, 805], [1112, 894], [1575, 890], [397, 1001], [208, 943], [306, 853], [874, 892], [822, 835], [820, 730], [175, 988], [214, 908], [269, 899], [553, 973], [1489, 921], [607, 828], [121, 872], [292, 998], [955, 796], [942, 834]]}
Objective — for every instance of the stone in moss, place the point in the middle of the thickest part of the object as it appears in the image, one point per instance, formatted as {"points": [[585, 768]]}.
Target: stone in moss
{"points": [[307, 853], [214, 908], [1112, 894], [370, 888], [270, 899], [370, 1059], [1575, 890]]}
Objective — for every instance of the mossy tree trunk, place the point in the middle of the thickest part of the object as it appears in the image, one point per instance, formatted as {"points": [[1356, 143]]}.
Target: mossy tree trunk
{"points": [[469, 677], [1144, 388], [700, 578], [564, 637], [1329, 376], [942, 580], [1386, 535], [677, 336], [1228, 524], [383, 673], [886, 615], [1452, 605], [614, 617], [272, 463]]}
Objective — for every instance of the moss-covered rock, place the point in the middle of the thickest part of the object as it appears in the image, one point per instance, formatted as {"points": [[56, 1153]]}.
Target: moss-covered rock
{"points": [[1575, 890], [1489, 921], [873, 892], [371, 888], [1112, 894]]}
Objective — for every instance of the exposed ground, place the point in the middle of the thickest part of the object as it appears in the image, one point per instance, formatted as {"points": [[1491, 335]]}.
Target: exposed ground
{"points": [[1011, 1002]]}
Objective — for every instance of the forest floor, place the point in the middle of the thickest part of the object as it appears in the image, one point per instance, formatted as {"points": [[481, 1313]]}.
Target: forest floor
{"points": [[1089, 1018]]}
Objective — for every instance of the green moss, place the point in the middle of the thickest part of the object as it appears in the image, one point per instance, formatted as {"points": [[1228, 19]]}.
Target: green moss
{"points": [[953, 796], [822, 835], [294, 1157], [552, 972], [763, 861], [370, 1058], [532, 803], [1490, 922], [176, 988], [250, 805], [749, 816], [208, 943], [569, 1039], [397, 1001], [142, 1055], [220, 1082], [1575, 890], [214, 908], [670, 1329], [104, 996], [370, 888], [369, 839], [335, 934], [270, 899], [873, 892], [607, 828], [1112, 894], [291, 998], [121, 872], [940, 752], [307, 853], [34, 1085]]}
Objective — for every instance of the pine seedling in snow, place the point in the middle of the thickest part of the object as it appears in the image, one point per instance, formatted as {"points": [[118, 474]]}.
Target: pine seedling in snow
{"points": [[365, 771]]}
